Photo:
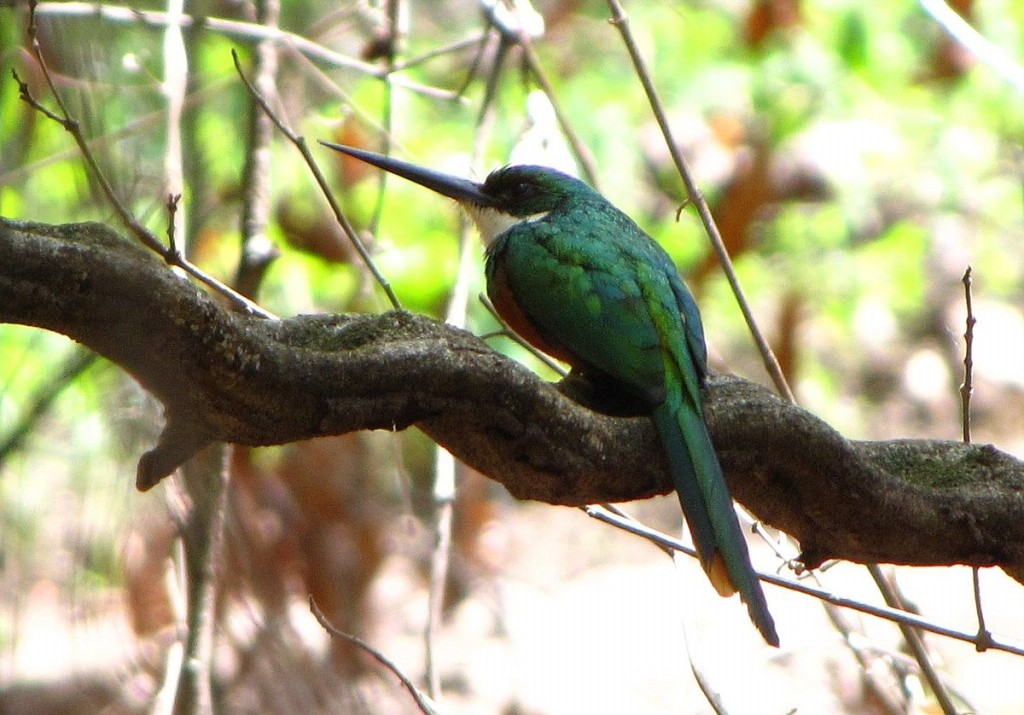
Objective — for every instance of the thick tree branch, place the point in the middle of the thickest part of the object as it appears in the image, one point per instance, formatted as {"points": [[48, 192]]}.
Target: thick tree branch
{"points": [[226, 377]]}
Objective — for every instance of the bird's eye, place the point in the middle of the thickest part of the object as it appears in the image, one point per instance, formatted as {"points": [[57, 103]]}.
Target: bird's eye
{"points": [[514, 191], [521, 190]]}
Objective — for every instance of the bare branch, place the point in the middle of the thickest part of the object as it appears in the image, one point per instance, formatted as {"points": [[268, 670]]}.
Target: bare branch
{"points": [[971, 40], [246, 31], [967, 388], [258, 250], [423, 702], [300, 144], [140, 232], [205, 481]]}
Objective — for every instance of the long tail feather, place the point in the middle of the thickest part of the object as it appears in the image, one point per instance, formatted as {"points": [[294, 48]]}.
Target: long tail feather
{"points": [[708, 508]]}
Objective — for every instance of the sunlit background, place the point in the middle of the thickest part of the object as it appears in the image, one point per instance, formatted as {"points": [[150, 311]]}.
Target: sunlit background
{"points": [[857, 159]]}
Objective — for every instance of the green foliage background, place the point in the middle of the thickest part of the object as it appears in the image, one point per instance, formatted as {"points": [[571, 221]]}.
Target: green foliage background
{"points": [[921, 176]]}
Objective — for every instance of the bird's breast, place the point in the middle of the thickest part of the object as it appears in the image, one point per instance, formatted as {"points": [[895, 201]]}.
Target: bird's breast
{"points": [[504, 300]]}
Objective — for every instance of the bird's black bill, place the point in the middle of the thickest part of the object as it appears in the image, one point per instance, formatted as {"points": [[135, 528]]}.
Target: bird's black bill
{"points": [[454, 187]]}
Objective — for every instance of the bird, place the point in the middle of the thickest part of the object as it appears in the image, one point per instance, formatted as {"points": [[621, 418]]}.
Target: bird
{"points": [[579, 280]]}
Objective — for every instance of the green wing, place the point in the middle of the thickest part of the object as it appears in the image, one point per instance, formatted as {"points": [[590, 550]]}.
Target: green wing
{"points": [[595, 294]]}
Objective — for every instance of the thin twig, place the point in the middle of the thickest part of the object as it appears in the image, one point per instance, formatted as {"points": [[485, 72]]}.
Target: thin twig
{"points": [[706, 685], [971, 40], [967, 388], [204, 475], [330, 85], [174, 256], [865, 653], [174, 586], [440, 559], [478, 60], [894, 701], [172, 218], [894, 598], [444, 476], [205, 481], [486, 114], [621, 22], [300, 144], [174, 85], [451, 48], [258, 251], [518, 34], [584, 156], [984, 637], [241, 30], [893, 615], [136, 229], [71, 125], [394, 43], [425, 704], [444, 463]]}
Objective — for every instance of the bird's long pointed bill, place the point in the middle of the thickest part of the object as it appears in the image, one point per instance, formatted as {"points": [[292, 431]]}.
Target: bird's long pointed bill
{"points": [[454, 187]]}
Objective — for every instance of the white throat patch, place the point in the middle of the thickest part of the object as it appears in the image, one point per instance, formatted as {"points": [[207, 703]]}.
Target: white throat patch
{"points": [[492, 223]]}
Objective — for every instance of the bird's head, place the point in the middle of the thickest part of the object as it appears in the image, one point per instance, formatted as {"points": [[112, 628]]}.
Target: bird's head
{"points": [[507, 197]]}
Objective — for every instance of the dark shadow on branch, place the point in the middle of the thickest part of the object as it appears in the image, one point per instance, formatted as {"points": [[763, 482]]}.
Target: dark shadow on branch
{"points": [[225, 377]]}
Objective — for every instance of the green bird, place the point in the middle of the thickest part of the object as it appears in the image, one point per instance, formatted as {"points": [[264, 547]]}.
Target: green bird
{"points": [[579, 280]]}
